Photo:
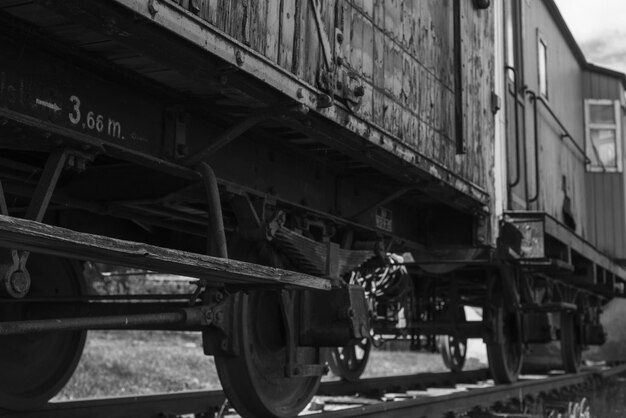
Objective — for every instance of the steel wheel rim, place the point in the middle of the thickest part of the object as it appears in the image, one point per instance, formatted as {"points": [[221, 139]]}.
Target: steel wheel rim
{"points": [[35, 367], [571, 345], [254, 381], [453, 352], [349, 362], [453, 348], [506, 357]]}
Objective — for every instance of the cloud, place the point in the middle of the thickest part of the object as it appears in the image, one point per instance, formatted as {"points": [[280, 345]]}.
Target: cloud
{"points": [[606, 51], [598, 27]]}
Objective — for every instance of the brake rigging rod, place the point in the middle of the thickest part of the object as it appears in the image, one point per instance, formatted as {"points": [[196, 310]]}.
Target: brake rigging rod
{"points": [[186, 316]]}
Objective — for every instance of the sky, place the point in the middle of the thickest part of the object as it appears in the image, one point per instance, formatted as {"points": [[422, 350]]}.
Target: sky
{"points": [[599, 26]]}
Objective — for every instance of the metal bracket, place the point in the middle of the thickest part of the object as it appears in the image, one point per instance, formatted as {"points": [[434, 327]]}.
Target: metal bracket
{"points": [[175, 132], [14, 278], [321, 33], [224, 139], [238, 129], [348, 86], [293, 368], [13, 273], [217, 313], [216, 237]]}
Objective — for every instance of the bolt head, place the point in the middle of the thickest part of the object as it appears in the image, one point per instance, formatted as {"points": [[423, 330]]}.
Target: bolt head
{"points": [[482, 4], [20, 281], [219, 316], [239, 57], [208, 316]]}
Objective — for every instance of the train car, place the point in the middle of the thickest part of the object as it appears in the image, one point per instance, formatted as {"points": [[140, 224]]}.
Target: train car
{"points": [[329, 172], [563, 150]]}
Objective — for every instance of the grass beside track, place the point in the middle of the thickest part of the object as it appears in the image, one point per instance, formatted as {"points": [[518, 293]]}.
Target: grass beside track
{"points": [[118, 363]]}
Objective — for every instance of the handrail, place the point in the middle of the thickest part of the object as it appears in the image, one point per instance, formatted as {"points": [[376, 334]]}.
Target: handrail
{"points": [[533, 99], [517, 136], [566, 133]]}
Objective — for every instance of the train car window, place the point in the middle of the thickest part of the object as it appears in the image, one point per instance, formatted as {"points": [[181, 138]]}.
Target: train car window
{"points": [[603, 132], [542, 63]]}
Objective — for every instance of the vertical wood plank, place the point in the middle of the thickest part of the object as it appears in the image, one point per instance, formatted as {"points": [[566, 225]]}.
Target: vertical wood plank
{"points": [[378, 77], [328, 17], [212, 12], [312, 52], [368, 8], [224, 17], [356, 41], [368, 50], [298, 35], [258, 25], [272, 28], [347, 30], [239, 23], [287, 33]]}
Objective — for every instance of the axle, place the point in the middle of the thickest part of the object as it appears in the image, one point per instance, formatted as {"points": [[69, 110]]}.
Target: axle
{"points": [[182, 319]]}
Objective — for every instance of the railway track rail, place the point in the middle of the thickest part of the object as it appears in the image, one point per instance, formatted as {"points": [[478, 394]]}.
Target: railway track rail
{"points": [[398, 396]]}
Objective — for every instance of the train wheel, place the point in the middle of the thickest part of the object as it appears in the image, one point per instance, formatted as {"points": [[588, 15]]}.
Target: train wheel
{"points": [[36, 366], [506, 355], [453, 351], [571, 346], [254, 381], [453, 348], [349, 362]]}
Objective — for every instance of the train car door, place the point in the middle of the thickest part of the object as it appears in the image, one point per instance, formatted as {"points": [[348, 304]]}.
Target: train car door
{"points": [[514, 106]]}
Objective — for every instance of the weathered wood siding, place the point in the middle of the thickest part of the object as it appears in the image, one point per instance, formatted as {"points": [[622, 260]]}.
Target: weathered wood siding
{"points": [[561, 165], [606, 217], [401, 51]]}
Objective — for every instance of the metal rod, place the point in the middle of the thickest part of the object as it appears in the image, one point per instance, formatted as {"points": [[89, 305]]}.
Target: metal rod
{"points": [[399, 193], [43, 192], [47, 184], [224, 139], [107, 322], [216, 225], [136, 298], [517, 136], [566, 133], [4, 210], [533, 98], [458, 78]]}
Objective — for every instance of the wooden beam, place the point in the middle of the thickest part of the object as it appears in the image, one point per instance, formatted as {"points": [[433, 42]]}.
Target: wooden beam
{"points": [[37, 237]]}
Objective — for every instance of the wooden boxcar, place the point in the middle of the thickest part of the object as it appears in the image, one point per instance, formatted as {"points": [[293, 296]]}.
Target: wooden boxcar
{"points": [[330, 172]]}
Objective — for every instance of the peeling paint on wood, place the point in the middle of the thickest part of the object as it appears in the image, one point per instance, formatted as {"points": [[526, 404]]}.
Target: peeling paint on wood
{"points": [[401, 53]]}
